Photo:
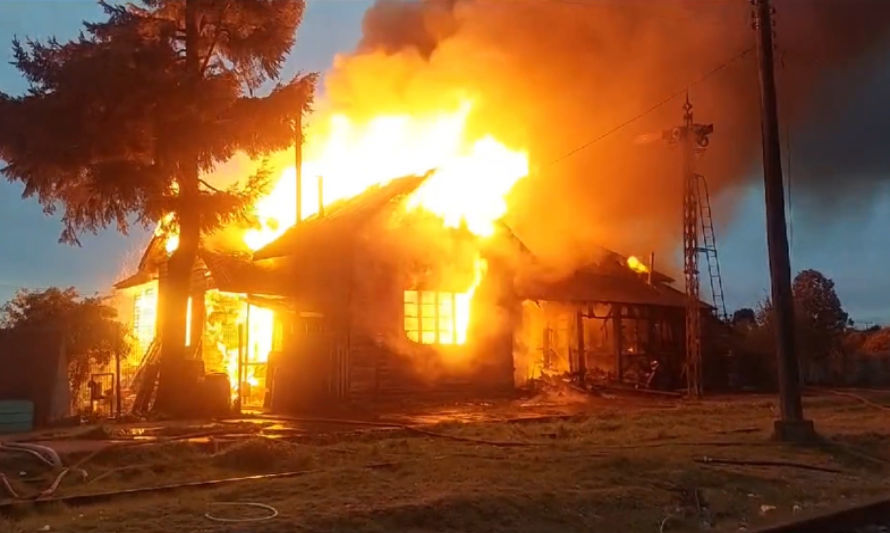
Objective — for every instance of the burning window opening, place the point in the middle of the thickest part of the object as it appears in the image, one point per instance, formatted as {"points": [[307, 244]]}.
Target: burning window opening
{"points": [[232, 326], [145, 315], [441, 317], [431, 317], [188, 322]]}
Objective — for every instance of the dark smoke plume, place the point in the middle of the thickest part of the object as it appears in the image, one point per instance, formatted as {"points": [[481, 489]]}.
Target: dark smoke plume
{"points": [[551, 75]]}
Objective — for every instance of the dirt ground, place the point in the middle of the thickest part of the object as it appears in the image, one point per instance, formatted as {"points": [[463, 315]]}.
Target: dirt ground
{"points": [[554, 463]]}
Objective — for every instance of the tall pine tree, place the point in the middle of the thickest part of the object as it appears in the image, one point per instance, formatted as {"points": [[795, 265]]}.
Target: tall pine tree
{"points": [[119, 125]]}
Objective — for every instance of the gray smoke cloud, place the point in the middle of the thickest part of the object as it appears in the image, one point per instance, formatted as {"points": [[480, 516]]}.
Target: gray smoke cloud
{"points": [[551, 75]]}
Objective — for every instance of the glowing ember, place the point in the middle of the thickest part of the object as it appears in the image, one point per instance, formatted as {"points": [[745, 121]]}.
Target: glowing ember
{"points": [[636, 265]]}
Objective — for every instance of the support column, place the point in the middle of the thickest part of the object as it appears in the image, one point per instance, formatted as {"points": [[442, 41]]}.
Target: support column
{"points": [[582, 357], [196, 326], [616, 333]]}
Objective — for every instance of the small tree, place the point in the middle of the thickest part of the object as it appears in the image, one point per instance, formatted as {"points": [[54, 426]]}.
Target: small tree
{"points": [[819, 326], [816, 298], [87, 326], [820, 318], [744, 318], [119, 125]]}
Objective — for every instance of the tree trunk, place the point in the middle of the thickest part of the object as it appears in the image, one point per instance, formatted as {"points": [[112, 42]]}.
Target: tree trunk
{"points": [[179, 374]]}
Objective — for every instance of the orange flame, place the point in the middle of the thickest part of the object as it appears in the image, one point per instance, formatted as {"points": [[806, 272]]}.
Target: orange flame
{"points": [[464, 300], [469, 184], [636, 265], [470, 178], [470, 181]]}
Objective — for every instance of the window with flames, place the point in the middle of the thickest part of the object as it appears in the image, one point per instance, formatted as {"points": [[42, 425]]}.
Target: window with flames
{"points": [[145, 316], [431, 317]]}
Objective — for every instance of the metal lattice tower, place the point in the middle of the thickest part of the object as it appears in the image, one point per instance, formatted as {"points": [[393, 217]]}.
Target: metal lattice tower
{"points": [[709, 246], [693, 138], [690, 255]]}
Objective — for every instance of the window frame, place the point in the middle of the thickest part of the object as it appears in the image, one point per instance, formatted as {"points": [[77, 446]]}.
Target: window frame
{"points": [[441, 336]]}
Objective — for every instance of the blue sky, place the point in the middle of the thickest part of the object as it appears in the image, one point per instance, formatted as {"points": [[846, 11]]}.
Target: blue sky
{"points": [[853, 252], [30, 255]]}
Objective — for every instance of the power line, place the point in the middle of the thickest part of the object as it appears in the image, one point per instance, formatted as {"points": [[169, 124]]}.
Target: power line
{"points": [[660, 103], [611, 4], [602, 4]]}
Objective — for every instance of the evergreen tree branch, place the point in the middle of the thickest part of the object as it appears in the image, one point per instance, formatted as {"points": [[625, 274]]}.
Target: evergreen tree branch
{"points": [[203, 182], [213, 43]]}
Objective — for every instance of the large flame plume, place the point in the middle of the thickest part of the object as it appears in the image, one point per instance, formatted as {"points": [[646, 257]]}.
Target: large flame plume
{"points": [[471, 175]]}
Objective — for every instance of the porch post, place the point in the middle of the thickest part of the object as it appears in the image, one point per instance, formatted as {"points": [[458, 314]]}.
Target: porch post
{"points": [[582, 358], [616, 333]]}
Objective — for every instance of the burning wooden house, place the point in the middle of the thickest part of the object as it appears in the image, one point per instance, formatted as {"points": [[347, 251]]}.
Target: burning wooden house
{"points": [[369, 299], [228, 334], [611, 321], [387, 300], [406, 285], [373, 300]]}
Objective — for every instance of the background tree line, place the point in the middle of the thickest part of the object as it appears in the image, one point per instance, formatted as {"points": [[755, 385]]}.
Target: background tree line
{"points": [[830, 348]]}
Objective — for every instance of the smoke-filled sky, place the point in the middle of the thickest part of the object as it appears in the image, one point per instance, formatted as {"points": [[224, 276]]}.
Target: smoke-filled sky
{"points": [[552, 75]]}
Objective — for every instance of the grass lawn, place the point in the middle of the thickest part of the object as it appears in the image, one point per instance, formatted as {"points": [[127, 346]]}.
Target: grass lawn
{"points": [[617, 465]]}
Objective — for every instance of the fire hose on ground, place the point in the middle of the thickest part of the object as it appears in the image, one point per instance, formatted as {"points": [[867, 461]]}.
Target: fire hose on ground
{"points": [[51, 458], [273, 512], [45, 454]]}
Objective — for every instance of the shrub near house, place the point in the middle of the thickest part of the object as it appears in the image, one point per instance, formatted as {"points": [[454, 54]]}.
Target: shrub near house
{"points": [[36, 329]]}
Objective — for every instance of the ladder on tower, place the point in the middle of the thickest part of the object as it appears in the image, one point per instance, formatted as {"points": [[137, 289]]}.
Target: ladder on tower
{"points": [[709, 245]]}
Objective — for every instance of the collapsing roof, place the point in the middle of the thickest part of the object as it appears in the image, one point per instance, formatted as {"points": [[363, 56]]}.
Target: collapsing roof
{"points": [[324, 240], [342, 218], [263, 273], [147, 269], [587, 285]]}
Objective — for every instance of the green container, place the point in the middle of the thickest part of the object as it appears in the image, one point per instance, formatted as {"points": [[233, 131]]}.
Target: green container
{"points": [[16, 416]]}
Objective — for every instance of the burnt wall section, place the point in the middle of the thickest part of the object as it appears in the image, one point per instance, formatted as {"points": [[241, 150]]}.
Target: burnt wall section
{"points": [[602, 341]]}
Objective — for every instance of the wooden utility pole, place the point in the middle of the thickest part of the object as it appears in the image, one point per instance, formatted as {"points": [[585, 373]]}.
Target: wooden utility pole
{"points": [[791, 424], [298, 165]]}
